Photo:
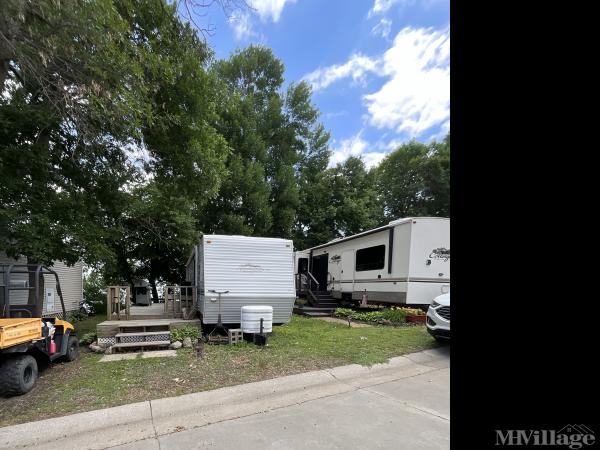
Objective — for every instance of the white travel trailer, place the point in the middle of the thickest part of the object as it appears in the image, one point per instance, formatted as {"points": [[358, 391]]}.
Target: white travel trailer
{"points": [[405, 262], [255, 271], [142, 292]]}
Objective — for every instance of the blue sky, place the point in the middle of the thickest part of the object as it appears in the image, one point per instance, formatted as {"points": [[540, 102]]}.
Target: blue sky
{"points": [[379, 68]]}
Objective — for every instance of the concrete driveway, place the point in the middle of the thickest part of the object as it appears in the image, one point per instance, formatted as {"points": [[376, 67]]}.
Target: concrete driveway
{"points": [[402, 404]]}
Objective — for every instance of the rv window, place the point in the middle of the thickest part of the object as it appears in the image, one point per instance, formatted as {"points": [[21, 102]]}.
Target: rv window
{"points": [[302, 265], [371, 258]]}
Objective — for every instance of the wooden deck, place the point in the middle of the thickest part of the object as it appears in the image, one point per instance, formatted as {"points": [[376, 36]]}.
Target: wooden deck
{"points": [[110, 328], [153, 311]]}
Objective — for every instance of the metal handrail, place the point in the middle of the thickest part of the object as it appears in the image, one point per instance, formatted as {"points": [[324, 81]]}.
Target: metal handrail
{"points": [[313, 278]]}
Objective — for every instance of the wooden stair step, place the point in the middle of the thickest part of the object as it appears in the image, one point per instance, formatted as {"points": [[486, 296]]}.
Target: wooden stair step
{"points": [[142, 323], [142, 333], [141, 344]]}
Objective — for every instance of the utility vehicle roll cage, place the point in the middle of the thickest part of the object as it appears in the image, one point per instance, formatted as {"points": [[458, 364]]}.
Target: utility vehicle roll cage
{"points": [[6, 286]]}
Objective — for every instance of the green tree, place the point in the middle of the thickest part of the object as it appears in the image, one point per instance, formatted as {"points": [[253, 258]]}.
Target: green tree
{"points": [[354, 197], [107, 105], [314, 224], [73, 99], [269, 132], [336, 202], [160, 232], [414, 180], [94, 291], [186, 154]]}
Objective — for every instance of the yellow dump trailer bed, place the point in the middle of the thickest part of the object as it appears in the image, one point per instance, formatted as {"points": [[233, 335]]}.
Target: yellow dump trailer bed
{"points": [[18, 331]]}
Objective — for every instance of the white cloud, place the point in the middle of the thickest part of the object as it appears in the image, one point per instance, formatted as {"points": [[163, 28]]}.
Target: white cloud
{"points": [[381, 6], [383, 28], [269, 9], [355, 146], [416, 96], [373, 158], [356, 67], [242, 25], [241, 20]]}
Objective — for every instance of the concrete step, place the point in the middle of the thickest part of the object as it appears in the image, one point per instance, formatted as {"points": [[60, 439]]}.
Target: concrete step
{"points": [[315, 308], [314, 312]]}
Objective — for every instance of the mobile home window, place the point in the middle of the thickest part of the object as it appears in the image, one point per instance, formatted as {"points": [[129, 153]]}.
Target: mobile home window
{"points": [[370, 258]]}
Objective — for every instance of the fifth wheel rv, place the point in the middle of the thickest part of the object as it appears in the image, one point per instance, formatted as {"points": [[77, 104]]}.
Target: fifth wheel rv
{"points": [[404, 262]]}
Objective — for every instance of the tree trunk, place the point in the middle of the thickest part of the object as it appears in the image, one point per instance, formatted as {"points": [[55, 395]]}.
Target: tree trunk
{"points": [[154, 290]]}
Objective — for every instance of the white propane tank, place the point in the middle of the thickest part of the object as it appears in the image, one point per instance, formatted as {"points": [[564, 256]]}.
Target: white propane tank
{"points": [[251, 316]]}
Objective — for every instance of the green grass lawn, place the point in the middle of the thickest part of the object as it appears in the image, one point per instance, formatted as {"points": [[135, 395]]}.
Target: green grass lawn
{"points": [[302, 345]]}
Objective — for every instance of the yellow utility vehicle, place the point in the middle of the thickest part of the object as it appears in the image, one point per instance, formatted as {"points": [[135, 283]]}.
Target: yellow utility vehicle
{"points": [[26, 338]]}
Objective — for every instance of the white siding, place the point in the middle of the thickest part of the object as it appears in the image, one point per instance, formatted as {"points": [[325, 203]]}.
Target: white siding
{"points": [[255, 271], [427, 236], [200, 276], [71, 283]]}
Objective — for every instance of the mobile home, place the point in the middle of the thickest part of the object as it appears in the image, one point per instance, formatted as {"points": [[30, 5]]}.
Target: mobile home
{"points": [[71, 283], [404, 262], [254, 271]]}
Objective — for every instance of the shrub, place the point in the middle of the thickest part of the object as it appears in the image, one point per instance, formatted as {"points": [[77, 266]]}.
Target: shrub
{"points": [[395, 315], [87, 338], [99, 307], [371, 316], [343, 312], [411, 311], [179, 334], [76, 316]]}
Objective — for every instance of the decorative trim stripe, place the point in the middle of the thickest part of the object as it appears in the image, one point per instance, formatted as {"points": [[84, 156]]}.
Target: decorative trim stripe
{"points": [[390, 250], [402, 280]]}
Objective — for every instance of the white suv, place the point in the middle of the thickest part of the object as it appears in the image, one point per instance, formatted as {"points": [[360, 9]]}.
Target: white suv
{"points": [[438, 317]]}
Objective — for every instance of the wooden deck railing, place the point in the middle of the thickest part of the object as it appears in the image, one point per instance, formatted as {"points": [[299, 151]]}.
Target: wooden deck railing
{"points": [[115, 310], [180, 301]]}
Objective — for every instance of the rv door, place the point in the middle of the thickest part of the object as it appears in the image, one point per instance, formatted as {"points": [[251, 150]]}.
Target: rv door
{"points": [[347, 273]]}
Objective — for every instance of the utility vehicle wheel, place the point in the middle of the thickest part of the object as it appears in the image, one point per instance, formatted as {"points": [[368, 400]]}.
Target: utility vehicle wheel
{"points": [[72, 349], [18, 374]]}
